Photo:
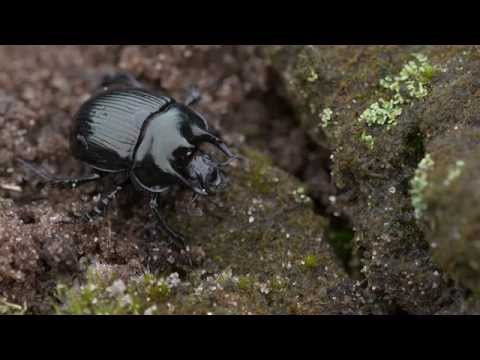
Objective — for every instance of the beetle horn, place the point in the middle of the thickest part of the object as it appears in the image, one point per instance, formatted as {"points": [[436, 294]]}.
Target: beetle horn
{"points": [[206, 136], [172, 172]]}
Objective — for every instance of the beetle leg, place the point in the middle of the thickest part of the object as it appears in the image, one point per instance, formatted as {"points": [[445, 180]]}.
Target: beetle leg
{"points": [[59, 181], [195, 197], [177, 239], [193, 96], [120, 79], [102, 205]]}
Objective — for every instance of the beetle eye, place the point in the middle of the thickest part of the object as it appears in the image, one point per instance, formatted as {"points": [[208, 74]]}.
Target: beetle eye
{"points": [[184, 154]]}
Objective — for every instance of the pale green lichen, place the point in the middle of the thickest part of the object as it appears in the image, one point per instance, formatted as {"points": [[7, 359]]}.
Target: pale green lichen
{"points": [[300, 196], [408, 85], [312, 76], [9, 308], [454, 172], [413, 77], [418, 185], [383, 112], [326, 116], [368, 140]]}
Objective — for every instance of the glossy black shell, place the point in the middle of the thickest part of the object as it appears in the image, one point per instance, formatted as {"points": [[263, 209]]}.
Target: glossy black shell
{"points": [[107, 127]]}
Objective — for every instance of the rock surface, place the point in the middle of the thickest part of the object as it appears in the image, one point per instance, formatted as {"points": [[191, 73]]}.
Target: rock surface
{"points": [[380, 110]]}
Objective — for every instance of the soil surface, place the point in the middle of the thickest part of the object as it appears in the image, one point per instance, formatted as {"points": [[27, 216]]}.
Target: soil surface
{"points": [[43, 244]]}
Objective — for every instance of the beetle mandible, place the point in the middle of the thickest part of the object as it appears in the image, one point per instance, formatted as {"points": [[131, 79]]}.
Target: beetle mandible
{"points": [[151, 139]]}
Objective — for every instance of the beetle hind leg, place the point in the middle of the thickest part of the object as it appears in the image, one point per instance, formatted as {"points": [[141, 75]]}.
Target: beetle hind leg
{"points": [[193, 96], [57, 180], [120, 79]]}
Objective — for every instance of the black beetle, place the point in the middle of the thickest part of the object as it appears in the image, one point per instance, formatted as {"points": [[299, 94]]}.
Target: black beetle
{"points": [[151, 139]]}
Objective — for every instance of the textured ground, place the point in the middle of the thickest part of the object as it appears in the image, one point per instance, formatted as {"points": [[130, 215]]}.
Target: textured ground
{"points": [[265, 235], [334, 211]]}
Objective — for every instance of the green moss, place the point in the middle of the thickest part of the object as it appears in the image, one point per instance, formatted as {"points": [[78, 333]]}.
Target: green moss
{"points": [[341, 239], [418, 185], [106, 295], [245, 283], [278, 285], [257, 177], [310, 262]]}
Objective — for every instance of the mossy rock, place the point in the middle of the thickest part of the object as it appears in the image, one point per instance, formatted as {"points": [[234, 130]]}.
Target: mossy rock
{"points": [[262, 251], [373, 164], [452, 198]]}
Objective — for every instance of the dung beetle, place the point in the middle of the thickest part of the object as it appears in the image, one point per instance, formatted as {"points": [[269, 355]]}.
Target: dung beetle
{"points": [[151, 139]]}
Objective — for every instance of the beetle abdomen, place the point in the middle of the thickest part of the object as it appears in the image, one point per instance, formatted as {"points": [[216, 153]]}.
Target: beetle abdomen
{"points": [[108, 126]]}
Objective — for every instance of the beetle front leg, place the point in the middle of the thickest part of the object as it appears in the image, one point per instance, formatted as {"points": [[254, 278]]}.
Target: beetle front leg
{"points": [[177, 239]]}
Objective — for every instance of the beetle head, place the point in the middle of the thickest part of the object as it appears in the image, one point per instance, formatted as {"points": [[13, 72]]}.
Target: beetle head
{"points": [[205, 173], [170, 145]]}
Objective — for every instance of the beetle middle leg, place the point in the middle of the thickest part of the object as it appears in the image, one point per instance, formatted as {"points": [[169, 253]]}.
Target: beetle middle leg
{"points": [[103, 203], [177, 239]]}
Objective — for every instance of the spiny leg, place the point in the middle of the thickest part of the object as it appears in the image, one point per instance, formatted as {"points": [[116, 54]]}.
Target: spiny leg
{"points": [[103, 203], [177, 239], [60, 181]]}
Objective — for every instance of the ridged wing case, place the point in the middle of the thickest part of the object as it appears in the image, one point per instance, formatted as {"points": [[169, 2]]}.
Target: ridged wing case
{"points": [[107, 127]]}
